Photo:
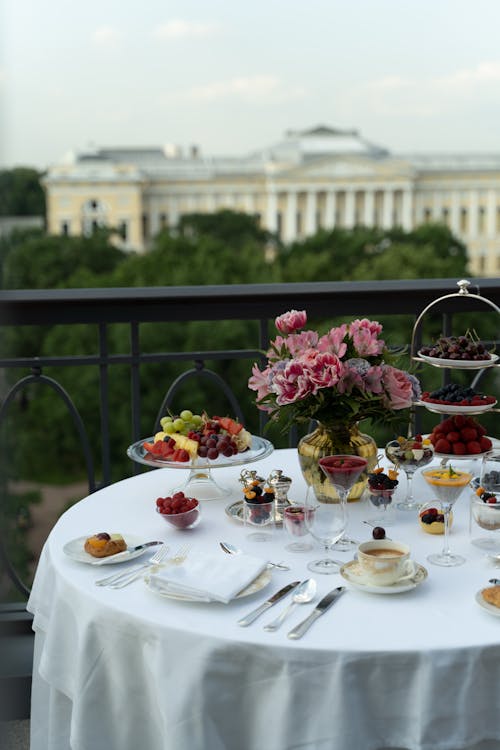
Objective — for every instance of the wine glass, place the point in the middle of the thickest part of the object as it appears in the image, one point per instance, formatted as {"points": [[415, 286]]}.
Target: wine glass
{"points": [[326, 520], [409, 454], [448, 485], [342, 472], [486, 502]]}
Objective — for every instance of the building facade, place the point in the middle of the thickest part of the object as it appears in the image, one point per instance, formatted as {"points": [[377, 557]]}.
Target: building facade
{"points": [[313, 179]]}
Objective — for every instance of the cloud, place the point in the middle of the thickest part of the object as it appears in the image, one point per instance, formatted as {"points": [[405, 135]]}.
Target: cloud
{"points": [[106, 36], [177, 28], [249, 88], [430, 96]]}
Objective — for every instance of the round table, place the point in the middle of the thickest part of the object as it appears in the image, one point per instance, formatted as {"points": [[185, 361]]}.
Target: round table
{"points": [[127, 669]]}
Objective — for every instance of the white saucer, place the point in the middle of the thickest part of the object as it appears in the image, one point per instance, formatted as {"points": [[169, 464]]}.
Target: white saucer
{"points": [[486, 605], [257, 585], [351, 572], [75, 550]]}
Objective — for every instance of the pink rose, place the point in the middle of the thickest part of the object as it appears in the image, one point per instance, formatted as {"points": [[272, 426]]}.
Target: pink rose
{"points": [[291, 321], [373, 380], [398, 387]]}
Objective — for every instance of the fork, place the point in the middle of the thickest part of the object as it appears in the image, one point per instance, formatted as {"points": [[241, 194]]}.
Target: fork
{"points": [[177, 559], [158, 557]]}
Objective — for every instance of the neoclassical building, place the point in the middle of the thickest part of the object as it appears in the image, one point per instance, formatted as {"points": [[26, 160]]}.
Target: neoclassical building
{"points": [[318, 178]]}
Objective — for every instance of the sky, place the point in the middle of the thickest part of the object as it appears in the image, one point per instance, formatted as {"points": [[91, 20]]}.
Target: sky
{"points": [[232, 76]]}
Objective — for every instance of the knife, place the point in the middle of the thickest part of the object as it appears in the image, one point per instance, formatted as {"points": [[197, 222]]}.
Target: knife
{"points": [[322, 606], [268, 603], [495, 581]]}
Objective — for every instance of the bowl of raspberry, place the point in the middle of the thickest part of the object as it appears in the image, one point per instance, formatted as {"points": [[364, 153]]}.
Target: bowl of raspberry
{"points": [[179, 511]]}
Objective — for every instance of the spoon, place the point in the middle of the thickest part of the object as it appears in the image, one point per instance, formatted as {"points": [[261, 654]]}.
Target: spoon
{"points": [[303, 594], [232, 550]]}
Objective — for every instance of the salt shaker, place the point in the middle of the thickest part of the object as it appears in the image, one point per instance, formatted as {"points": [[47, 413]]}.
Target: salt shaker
{"points": [[281, 485]]}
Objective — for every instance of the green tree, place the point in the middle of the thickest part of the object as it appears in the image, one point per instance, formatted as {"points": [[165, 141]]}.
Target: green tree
{"points": [[21, 193]]}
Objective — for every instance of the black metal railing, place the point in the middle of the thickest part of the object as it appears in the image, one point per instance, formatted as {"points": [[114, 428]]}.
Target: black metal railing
{"points": [[261, 303]]}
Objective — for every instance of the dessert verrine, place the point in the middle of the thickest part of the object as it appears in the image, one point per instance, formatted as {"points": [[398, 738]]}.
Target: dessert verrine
{"points": [[448, 484], [409, 454]]}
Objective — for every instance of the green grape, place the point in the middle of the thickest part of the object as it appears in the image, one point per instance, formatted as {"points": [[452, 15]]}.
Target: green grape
{"points": [[186, 415], [164, 421], [178, 425], [169, 428], [196, 420]]}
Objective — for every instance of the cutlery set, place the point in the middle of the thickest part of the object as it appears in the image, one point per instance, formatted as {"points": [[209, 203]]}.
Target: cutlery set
{"points": [[304, 593]]}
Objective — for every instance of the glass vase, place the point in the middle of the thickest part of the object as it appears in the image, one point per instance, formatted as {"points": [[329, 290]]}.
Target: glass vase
{"points": [[334, 440]]}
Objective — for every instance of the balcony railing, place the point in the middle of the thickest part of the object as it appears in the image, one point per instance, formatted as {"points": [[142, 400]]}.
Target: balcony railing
{"points": [[102, 308]]}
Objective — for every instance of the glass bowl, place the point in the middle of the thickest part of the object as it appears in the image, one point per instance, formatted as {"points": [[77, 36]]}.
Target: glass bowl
{"points": [[181, 513], [431, 518]]}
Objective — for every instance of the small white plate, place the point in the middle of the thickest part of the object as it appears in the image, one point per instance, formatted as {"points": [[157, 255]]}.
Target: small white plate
{"points": [[257, 585], [450, 409], [460, 364], [75, 549], [486, 605], [351, 573]]}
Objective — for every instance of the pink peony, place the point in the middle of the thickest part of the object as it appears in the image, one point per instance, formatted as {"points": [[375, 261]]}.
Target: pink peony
{"points": [[364, 334], [292, 384], [398, 387], [324, 368], [260, 381], [333, 341], [291, 321]]}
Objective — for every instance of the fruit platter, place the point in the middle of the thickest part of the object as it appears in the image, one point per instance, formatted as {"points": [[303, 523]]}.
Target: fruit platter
{"points": [[199, 443], [464, 352]]}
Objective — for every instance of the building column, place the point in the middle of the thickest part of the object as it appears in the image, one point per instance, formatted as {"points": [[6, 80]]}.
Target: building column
{"points": [[272, 209], [290, 228], [407, 210], [330, 208], [388, 209], [437, 206], [369, 208], [249, 203], [350, 208], [455, 213], [311, 208], [491, 210], [473, 213], [173, 212]]}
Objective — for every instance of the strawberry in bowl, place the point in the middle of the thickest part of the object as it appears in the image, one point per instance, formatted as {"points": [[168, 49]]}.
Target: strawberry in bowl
{"points": [[179, 510]]}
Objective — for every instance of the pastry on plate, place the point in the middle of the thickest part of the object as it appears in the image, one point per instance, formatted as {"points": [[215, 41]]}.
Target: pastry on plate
{"points": [[492, 595], [104, 544]]}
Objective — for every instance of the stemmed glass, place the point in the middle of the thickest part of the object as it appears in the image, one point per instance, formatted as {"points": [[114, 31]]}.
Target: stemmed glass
{"points": [[486, 502], [448, 485], [326, 520], [342, 472], [409, 454]]}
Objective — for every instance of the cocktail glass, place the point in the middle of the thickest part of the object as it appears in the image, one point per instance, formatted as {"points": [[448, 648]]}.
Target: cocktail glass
{"points": [[342, 471], [448, 484], [409, 454], [486, 502]]}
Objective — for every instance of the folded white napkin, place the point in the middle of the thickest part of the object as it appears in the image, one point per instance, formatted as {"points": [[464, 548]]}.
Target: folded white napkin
{"points": [[209, 577]]}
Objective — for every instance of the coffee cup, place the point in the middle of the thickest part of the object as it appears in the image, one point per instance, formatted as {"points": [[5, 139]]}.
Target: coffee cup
{"points": [[383, 563]]}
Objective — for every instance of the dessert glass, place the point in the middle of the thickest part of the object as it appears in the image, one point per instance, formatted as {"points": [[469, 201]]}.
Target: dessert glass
{"points": [[410, 455], [448, 484], [295, 526], [485, 503]]}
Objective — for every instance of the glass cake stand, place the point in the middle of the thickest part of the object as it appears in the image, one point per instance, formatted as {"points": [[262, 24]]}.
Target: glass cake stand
{"points": [[200, 481]]}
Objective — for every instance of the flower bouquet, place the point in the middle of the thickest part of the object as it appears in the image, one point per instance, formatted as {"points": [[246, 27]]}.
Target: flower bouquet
{"points": [[337, 379]]}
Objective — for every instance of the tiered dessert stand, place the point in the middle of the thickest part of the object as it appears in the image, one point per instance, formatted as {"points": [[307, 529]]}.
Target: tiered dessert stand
{"points": [[481, 365]]}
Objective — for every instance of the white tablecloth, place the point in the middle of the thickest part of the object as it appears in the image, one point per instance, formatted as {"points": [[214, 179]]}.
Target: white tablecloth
{"points": [[128, 670]]}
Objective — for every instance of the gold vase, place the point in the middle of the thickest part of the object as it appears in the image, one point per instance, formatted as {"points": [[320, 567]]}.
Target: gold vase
{"points": [[330, 441]]}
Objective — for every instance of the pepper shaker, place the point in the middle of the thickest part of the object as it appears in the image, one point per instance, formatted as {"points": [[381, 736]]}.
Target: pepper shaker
{"points": [[281, 484]]}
